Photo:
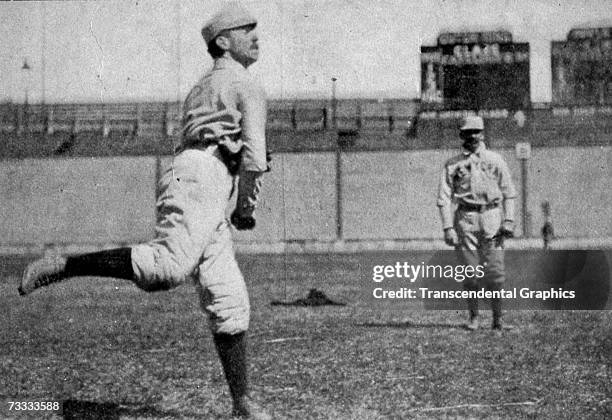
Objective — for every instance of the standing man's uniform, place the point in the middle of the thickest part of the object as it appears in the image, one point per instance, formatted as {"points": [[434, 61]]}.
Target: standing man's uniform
{"points": [[479, 184], [223, 140]]}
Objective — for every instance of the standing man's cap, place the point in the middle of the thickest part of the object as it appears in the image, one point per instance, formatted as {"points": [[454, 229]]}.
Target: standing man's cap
{"points": [[231, 16], [471, 122]]}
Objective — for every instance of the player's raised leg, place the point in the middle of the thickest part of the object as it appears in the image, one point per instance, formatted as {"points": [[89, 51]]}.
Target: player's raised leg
{"points": [[115, 263], [190, 210]]}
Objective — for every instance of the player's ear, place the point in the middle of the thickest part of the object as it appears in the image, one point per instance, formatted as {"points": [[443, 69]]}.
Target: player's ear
{"points": [[223, 42]]}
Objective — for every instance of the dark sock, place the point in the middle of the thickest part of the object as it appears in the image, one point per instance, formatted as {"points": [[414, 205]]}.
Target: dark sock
{"points": [[232, 352], [472, 307], [115, 263], [496, 307]]}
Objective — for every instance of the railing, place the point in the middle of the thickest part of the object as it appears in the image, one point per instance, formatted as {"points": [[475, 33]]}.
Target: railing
{"points": [[163, 118], [293, 126], [138, 118]]}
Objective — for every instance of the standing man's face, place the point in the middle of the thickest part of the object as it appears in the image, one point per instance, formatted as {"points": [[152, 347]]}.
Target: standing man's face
{"points": [[471, 139], [242, 44]]}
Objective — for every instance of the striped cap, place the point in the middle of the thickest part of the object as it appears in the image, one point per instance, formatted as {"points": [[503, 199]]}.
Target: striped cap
{"points": [[233, 15], [471, 122]]}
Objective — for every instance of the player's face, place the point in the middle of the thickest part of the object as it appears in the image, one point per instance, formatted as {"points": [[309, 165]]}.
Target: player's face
{"points": [[471, 139], [244, 46]]}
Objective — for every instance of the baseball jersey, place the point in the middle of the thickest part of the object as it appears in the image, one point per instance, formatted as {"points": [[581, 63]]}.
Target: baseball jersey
{"points": [[228, 85], [478, 178]]}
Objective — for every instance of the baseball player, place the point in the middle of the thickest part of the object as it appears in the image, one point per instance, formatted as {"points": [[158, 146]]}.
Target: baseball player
{"points": [[479, 183], [223, 136]]}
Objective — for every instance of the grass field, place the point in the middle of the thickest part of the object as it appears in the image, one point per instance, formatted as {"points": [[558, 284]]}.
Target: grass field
{"points": [[104, 349]]}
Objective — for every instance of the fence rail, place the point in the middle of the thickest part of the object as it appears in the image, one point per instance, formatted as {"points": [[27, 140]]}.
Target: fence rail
{"points": [[38, 130], [164, 117]]}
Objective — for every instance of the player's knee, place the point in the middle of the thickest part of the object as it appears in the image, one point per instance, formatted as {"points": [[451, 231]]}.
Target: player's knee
{"points": [[470, 284], [229, 314], [235, 323], [494, 273], [158, 270]]}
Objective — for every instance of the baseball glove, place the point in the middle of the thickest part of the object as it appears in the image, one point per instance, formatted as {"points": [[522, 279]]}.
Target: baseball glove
{"points": [[242, 222], [506, 229]]}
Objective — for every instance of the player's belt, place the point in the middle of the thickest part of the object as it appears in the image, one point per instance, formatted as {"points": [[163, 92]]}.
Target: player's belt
{"points": [[477, 207], [195, 144], [209, 147]]}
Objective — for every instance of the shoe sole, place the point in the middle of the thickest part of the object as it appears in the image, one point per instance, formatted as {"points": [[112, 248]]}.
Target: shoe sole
{"points": [[32, 276], [20, 289]]}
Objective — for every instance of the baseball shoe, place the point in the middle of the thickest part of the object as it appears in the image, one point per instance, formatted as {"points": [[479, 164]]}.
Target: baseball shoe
{"points": [[498, 325], [42, 272], [473, 324], [246, 408]]}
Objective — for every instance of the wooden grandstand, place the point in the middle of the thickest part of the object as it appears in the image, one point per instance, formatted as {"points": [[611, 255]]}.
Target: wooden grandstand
{"points": [[152, 128]]}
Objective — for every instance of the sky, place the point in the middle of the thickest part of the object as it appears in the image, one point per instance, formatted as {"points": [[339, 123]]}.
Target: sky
{"points": [[121, 51]]}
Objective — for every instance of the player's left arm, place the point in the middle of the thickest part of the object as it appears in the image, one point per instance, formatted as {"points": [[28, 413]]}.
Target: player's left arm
{"points": [[444, 203]]}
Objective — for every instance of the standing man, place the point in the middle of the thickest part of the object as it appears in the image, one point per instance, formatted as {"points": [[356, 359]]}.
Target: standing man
{"points": [[223, 137], [479, 183]]}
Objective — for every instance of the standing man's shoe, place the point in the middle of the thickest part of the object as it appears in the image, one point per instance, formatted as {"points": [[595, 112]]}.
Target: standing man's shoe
{"points": [[498, 325], [246, 408], [42, 272], [473, 325]]}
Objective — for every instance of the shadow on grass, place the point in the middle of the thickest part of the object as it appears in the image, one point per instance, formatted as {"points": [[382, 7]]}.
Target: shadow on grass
{"points": [[410, 324], [90, 410]]}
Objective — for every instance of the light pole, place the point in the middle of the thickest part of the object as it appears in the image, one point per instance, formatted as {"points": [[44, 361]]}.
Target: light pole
{"points": [[334, 103], [26, 78], [339, 224], [25, 71]]}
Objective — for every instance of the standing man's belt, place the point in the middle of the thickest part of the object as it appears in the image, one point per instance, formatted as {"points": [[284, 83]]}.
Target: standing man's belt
{"points": [[477, 207]]}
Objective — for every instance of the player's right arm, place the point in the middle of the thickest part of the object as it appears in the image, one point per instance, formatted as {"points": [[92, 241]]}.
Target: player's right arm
{"points": [[252, 104], [444, 203]]}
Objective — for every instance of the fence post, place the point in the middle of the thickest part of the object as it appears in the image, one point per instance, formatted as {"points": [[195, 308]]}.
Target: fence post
{"points": [[18, 119], [138, 122], [49, 120], [156, 186], [525, 194], [325, 122], [339, 224], [165, 119]]}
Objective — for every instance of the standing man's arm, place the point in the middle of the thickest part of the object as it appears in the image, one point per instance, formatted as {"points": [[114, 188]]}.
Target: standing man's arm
{"points": [[444, 203], [508, 191]]}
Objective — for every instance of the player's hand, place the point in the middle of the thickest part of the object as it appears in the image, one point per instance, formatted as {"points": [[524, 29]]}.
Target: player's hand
{"points": [[268, 160], [450, 237], [242, 222], [506, 230]]}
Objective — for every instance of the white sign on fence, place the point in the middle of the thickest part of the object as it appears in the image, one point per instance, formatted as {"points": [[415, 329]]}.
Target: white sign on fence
{"points": [[523, 150]]}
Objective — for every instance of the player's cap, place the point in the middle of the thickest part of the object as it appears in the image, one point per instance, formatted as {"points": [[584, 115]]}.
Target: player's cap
{"points": [[471, 122], [233, 15]]}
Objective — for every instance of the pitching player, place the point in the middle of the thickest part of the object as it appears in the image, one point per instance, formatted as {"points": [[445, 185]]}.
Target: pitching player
{"points": [[479, 183], [224, 134]]}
